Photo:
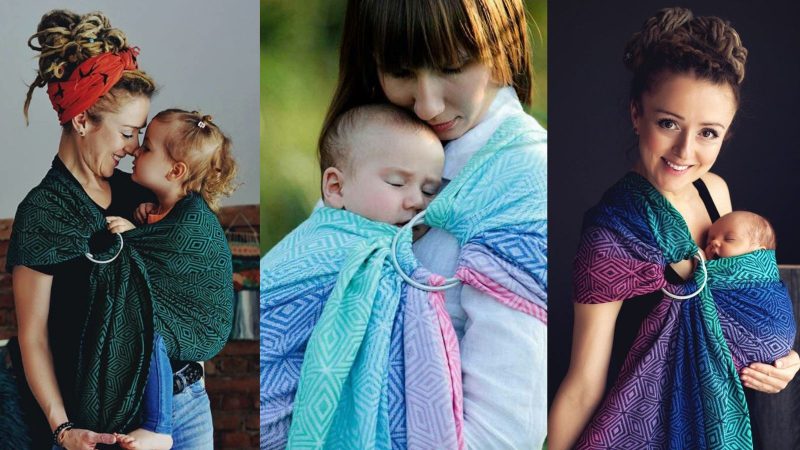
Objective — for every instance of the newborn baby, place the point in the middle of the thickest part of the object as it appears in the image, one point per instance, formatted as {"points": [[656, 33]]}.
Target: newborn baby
{"points": [[737, 233]]}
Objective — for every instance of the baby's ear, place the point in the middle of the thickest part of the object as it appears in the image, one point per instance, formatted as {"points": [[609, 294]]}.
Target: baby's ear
{"points": [[179, 170], [332, 183]]}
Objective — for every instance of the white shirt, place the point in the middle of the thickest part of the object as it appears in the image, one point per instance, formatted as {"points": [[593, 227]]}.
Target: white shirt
{"points": [[503, 351]]}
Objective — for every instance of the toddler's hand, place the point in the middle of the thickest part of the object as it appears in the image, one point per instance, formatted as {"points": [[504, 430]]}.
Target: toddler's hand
{"points": [[126, 441], [118, 224], [141, 213]]}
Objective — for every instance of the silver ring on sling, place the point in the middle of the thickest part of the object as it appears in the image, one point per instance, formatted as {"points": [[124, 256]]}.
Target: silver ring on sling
{"points": [[448, 283], [91, 258], [702, 260]]}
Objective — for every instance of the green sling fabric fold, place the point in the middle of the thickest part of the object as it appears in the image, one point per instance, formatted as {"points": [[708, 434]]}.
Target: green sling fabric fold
{"points": [[174, 277]]}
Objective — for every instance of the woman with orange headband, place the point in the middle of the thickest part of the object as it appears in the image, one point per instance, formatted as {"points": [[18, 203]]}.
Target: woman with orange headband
{"points": [[102, 100]]}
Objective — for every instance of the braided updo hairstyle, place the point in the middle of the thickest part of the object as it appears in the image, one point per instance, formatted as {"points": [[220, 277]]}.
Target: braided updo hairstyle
{"points": [[198, 142], [65, 39], [675, 41]]}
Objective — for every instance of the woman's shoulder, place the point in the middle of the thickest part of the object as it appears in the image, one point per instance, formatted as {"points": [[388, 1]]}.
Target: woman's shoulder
{"points": [[718, 189], [524, 127], [520, 134]]}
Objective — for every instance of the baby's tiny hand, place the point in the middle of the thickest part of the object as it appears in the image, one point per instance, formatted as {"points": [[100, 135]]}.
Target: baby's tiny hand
{"points": [[126, 441], [141, 213], [118, 224]]}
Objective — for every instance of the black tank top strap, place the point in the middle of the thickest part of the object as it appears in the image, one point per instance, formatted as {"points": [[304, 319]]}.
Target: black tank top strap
{"points": [[702, 189]]}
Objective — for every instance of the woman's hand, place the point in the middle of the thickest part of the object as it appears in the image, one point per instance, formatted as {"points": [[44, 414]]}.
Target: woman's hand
{"points": [[141, 213], [771, 378], [79, 439], [118, 224]]}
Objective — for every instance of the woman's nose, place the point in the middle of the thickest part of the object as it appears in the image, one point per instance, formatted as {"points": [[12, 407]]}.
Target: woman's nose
{"points": [[132, 147], [682, 147], [428, 100]]}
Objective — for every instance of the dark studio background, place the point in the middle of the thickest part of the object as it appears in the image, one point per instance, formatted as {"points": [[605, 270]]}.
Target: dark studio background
{"points": [[590, 134]]}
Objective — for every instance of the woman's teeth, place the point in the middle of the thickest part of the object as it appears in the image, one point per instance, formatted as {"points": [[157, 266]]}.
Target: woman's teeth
{"points": [[675, 166]]}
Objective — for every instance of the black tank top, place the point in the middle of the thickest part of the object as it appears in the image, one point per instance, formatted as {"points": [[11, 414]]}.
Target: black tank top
{"points": [[636, 309]]}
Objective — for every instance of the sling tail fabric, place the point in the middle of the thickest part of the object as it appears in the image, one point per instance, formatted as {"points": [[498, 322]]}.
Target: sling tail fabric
{"points": [[174, 277], [679, 386], [353, 357]]}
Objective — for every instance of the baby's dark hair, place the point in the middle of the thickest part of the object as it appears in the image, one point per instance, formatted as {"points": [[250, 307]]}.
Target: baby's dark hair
{"points": [[199, 143], [65, 40], [675, 41], [335, 144]]}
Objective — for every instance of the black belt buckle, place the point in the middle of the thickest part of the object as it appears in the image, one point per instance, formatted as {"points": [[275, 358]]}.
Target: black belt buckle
{"points": [[188, 375]]}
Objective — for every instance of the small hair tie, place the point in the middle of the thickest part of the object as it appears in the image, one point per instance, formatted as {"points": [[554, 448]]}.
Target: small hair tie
{"points": [[201, 124]]}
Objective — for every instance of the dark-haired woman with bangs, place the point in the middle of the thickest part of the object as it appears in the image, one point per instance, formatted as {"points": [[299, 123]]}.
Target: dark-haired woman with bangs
{"points": [[464, 67]]}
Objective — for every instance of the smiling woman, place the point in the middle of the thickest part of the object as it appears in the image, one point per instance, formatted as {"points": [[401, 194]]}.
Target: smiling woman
{"points": [[71, 278], [681, 123], [644, 319]]}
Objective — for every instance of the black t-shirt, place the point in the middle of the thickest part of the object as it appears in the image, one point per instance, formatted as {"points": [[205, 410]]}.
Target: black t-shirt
{"points": [[69, 295], [634, 310]]}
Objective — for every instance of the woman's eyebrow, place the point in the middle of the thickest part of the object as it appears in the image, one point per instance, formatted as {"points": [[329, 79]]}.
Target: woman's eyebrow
{"points": [[664, 111], [136, 126]]}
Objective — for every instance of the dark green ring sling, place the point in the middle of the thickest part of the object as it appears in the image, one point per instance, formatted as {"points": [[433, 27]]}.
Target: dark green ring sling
{"points": [[174, 277]]}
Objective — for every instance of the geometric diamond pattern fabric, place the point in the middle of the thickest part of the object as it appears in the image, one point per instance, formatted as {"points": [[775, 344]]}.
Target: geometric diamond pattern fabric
{"points": [[678, 387], [310, 309], [173, 277], [353, 357]]}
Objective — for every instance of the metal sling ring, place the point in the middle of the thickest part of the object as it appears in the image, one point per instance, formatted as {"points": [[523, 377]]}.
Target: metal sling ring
{"points": [[698, 256], [90, 256], [448, 283]]}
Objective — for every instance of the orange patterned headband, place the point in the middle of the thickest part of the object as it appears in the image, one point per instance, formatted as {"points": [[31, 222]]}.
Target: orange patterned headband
{"points": [[91, 80]]}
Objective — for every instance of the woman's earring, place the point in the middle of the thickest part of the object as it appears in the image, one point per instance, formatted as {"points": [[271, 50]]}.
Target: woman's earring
{"points": [[635, 131], [82, 133]]}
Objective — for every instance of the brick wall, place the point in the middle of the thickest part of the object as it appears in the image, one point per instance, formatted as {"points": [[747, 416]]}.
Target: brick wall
{"points": [[232, 384], [8, 320], [232, 376]]}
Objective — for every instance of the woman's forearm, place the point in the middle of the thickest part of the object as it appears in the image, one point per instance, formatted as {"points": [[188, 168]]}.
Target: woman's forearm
{"points": [[570, 412], [32, 304], [38, 362], [582, 389]]}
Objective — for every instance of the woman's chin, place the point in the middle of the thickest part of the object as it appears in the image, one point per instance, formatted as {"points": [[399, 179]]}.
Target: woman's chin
{"points": [[671, 180]]}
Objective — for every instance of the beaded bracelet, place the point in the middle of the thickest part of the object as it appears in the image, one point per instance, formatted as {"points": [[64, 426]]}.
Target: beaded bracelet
{"points": [[63, 427]]}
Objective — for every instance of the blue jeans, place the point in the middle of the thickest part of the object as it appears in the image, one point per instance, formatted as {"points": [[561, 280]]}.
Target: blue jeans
{"points": [[192, 428], [157, 401]]}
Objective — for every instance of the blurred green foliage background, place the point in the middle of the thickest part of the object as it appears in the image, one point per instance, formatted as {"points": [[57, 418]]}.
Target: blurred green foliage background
{"points": [[299, 66]]}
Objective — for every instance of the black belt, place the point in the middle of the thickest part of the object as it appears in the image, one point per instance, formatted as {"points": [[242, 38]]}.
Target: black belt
{"points": [[188, 375]]}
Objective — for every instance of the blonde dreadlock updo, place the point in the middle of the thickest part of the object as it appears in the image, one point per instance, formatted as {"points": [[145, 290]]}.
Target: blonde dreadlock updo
{"points": [[65, 39]]}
